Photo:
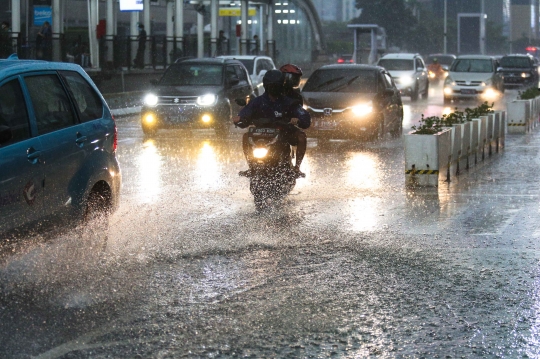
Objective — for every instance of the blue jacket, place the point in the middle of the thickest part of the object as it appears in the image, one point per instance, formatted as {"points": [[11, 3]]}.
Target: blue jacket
{"points": [[283, 108]]}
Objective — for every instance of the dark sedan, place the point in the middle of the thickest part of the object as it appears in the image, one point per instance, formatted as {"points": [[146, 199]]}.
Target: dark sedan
{"points": [[196, 93], [353, 101], [518, 70]]}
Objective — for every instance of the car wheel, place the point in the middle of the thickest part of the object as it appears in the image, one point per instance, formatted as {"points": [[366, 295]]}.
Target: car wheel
{"points": [[95, 226], [414, 94], [378, 130], [398, 129], [426, 94]]}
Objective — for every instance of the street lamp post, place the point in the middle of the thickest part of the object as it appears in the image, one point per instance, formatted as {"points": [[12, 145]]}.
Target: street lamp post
{"points": [[445, 3]]}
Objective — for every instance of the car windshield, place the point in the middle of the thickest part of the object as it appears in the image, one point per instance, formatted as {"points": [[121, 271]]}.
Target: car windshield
{"points": [[472, 65], [248, 64], [342, 80], [193, 74], [397, 65], [515, 62], [443, 60]]}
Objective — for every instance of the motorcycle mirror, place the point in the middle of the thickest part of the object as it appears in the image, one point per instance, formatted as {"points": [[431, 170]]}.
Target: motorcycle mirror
{"points": [[240, 102]]}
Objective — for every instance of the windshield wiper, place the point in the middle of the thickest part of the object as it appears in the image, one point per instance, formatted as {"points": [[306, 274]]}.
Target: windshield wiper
{"points": [[344, 85], [327, 83]]}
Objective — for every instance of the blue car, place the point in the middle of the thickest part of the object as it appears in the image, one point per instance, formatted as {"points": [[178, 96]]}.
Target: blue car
{"points": [[57, 147]]}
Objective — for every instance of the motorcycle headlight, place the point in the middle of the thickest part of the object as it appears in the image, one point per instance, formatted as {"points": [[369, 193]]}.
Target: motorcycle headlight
{"points": [[406, 80], [260, 152], [151, 100], [362, 110], [206, 100], [525, 75]]}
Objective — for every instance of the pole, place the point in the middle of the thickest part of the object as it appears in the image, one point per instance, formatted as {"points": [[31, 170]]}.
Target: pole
{"points": [[200, 35], [244, 4], [214, 10], [445, 41]]}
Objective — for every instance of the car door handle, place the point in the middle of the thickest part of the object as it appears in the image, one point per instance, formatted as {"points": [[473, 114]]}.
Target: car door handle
{"points": [[33, 155], [81, 139]]}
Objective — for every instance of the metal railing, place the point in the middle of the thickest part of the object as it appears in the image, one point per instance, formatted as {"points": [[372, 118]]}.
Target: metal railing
{"points": [[121, 51]]}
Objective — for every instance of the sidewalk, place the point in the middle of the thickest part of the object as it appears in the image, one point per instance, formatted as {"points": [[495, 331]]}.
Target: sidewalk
{"points": [[124, 104]]}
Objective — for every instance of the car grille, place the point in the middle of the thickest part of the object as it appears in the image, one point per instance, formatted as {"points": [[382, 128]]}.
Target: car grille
{"points": [[177, 100], [472, 83]]}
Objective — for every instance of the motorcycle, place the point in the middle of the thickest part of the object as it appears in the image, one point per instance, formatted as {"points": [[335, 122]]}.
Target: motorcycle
{"points": [[270, 156]]}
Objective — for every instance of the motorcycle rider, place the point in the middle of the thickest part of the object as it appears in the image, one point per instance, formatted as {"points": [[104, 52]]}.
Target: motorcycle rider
{"points": [[436, 68], [273, 104]]}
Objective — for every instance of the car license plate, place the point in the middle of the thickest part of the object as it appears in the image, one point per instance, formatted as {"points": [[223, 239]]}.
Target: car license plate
{"points": [[468, 92], [326, 125], [263, 131]]}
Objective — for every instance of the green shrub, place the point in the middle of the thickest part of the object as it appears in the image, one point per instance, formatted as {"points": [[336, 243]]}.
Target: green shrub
{"points": [[428, 125], [529, 93], [433, 124]]}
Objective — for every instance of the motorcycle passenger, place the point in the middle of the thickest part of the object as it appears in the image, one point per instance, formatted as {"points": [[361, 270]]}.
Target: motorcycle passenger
{"points": [[293, 74], [273, 104]]}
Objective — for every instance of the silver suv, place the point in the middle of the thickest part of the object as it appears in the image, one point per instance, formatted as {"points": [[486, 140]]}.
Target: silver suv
{"points": [[408, 72], [473, 77], [257, 67]]}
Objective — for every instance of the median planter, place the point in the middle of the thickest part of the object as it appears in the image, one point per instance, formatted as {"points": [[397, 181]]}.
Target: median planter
{"points": [[464, 151], [518, 116], [427, 158]]}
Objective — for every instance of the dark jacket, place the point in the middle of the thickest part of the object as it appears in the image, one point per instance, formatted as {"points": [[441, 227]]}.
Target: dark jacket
{"points": [[283, 108], [295, 95]]}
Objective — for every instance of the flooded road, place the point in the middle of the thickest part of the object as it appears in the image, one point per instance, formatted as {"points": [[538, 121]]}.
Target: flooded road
{"points": [[352, 265]]}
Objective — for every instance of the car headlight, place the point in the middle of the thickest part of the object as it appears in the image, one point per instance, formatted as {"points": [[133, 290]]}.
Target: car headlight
{"points": [[206, 100], [406, 80], [525, 75], [487, 83], [151, 100], [362, 110], [260, 152], [448, 81]]}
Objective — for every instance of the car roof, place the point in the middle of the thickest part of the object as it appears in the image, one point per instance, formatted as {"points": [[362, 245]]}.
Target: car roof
{"points": [[517, 55], [351, 67], [243, 57], [208, 60], [440, 55], [479, 57], [406, 56], [13, 67]]}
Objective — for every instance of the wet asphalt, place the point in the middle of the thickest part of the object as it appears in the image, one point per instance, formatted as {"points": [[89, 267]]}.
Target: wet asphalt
{"points": [[352, 265]]}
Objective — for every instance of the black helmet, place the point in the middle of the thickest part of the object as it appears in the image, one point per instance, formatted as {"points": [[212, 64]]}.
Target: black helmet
{"points": [[273, 81]]}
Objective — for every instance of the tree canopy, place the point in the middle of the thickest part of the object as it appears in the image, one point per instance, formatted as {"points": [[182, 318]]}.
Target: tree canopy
{"points": [[394, 15]]}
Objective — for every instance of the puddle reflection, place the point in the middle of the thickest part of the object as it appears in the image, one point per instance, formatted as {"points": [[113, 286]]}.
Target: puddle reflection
{"points": [[149, 165], [208, 172]]}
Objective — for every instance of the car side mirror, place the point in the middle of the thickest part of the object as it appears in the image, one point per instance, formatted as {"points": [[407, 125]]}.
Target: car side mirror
{"points": [[5, 134], [499, 69], [233, 81], [389, 92], [240, 102], [154, 82], [420, 69], [444, 67]]}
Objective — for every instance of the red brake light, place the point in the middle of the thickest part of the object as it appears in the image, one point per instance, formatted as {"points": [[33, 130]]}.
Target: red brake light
{"points": [[530, 48], [340, 61], [115, 136], [351, 60]]}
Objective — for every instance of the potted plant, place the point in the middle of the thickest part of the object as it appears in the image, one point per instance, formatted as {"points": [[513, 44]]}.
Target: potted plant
{"points": [[520, 111], [427, 152]]}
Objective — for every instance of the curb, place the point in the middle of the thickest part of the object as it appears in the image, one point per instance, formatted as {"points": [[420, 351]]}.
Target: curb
{"points": [[126, 111]]}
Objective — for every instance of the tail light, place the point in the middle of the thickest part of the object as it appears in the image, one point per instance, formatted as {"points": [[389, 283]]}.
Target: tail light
{"points": [[340, 61], [115, 136]]}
